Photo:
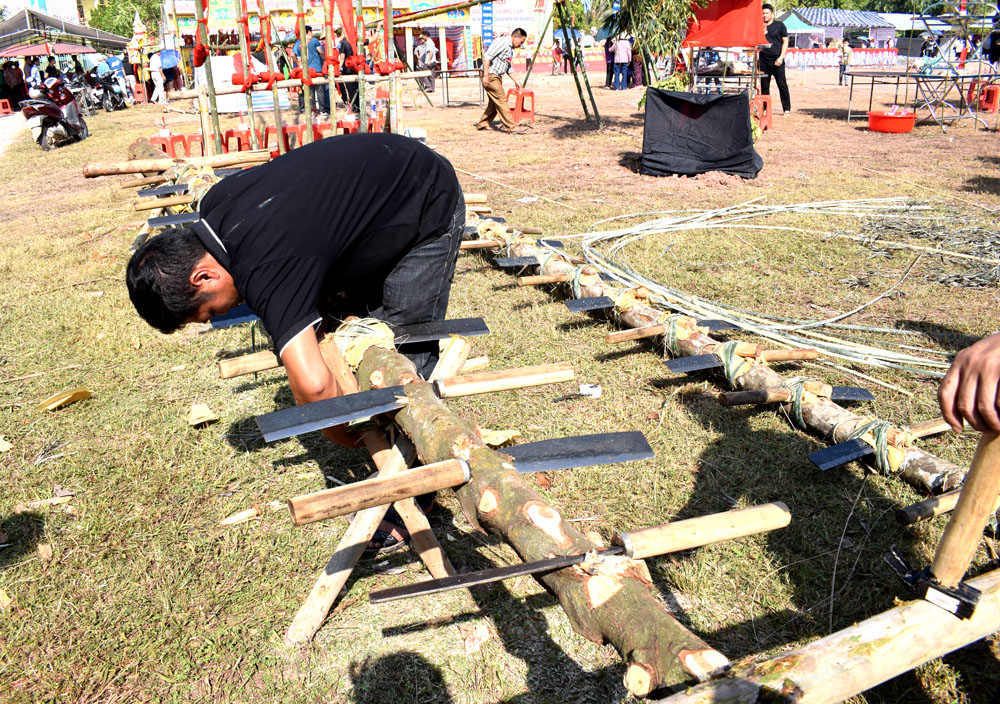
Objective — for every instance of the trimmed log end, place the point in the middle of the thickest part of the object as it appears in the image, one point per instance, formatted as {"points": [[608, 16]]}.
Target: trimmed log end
{"points": [[463, 447], [377, 379], [638, 569], [638, 680], [488, 501], [547, 520], [703, 664], [600, 588]]}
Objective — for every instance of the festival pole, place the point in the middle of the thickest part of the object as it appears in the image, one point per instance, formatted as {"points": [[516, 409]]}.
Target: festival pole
{"points": [[361, 51], [304, 65], [578, 59], [579, 89], [177, 40], [199, 11], [244, 19], [538, 46], [328, 52], [390, 54], [265, 37]]}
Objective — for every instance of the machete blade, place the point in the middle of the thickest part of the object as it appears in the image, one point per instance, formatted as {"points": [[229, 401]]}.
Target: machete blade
{"points": [[176, 219], [851, 393], [579, 451], [439, 330], [164, 190], [718, 325], [841, 453], [329, 412], [582, 305], [472, 579], [555, 244], [515, 262], [686, 365]]}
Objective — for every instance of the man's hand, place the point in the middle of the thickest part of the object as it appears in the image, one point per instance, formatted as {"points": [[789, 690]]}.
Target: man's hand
{"points": [[486, 80], [311, 380], [969, 389], [778, 61], [516, 84]]}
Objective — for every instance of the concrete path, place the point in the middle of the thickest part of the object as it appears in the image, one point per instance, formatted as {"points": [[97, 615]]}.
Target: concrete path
{"points": [[11, 127]]}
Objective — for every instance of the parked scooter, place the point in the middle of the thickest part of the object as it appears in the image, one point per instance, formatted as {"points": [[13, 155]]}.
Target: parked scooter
{"points": [[53, 115], [110, 93], [77, 84]]}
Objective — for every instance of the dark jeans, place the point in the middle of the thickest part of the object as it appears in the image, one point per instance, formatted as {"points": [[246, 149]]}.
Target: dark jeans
{"points": [[417, 289], [769, 70], [320, 98], [840, 77], [349, 93], [610, 74]]}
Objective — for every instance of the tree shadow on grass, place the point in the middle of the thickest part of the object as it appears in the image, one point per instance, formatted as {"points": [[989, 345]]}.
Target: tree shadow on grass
{"points": [[400, 677], [982, 184], [630, 160], [835, 114], [23, 532], [990, 159], [943, 335]]}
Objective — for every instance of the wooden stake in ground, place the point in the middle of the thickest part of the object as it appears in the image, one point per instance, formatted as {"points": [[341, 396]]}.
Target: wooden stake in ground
{"points": [[612, 603], [139, 166], [216, 139], [304, 65]]}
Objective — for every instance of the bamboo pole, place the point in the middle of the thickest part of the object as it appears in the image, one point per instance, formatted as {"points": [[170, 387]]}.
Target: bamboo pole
{"points": [[138, 166], [853, 660], [265, 28], [629, 614], [821, 416], [156, 203], [389, 460], [295, 82], [199, 12], [424, 14], [362, 51], [538, 46], [241, 13], [205, 121], [579, 90], [177, 39], [578, 56], [330, 36], [144, 181], [932, 507], [304, 64]]}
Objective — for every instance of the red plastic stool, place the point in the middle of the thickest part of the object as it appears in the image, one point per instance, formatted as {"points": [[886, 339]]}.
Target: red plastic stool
{"points": [[139, 91], [5, 107], [242, 138], [519, 108], [762, 104], [268, 142], [298, 131], [320, 128], [348, 126], [164, 143], [989, 99]]}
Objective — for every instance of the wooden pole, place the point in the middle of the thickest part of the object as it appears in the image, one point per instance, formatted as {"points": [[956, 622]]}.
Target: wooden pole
{"points": [[139, 166], [155, 203], [932, 507], [144, 181], [857, 658], [503, 380], [558, 7], [578, 57], [330, 37], [975, 504], [177, 41], [205, 121], [362, 52], [259, 362], [210, 84], [629, 615], [304, 63], [390, 54], [265, 29], [424, 14], [541, 38], [243, 19], [389, 460]]}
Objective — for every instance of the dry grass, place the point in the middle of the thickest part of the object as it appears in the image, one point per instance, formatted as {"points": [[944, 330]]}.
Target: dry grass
{"points": [[145, 598]]}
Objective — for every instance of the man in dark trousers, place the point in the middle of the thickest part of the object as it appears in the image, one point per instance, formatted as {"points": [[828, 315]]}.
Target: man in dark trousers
{"points": [[365, 224], [772, 59]]}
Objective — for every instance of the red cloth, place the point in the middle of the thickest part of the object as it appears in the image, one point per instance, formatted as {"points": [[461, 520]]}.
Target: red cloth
{"points": [[200, 54], [726, 23]]}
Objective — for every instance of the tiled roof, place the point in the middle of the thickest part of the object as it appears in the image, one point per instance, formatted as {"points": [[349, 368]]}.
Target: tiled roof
{"points": [[829, 17]]}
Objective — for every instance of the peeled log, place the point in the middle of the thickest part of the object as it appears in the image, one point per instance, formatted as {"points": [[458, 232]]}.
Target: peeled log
{"points": [[632, 618], [820, 415]]}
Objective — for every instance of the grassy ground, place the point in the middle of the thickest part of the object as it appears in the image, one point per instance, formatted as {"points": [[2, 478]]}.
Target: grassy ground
{"points": [[133, 592]]}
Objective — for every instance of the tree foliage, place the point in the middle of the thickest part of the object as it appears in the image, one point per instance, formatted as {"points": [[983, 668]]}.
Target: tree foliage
{"points": [[116, 16], [657, 25]]}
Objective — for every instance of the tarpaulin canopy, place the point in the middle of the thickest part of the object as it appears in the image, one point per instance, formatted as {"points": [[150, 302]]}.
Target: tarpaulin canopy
{"points": [[726, 23], [46, 49], [693, 133]]}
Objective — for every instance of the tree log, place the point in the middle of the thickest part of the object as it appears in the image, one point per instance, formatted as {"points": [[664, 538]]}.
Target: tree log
{"points": [[138, 166], [857, 658], [821, 416], [618, 607]]}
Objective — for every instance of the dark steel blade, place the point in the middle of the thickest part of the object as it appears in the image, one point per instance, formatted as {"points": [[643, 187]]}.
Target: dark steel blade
{"points": [[222, 173], [165, 190], [581, 305], [606, 277], [555, 244], [851, 393], [579, 451], [439, 330], [718, 325], [237, 316], [329, 412], [494, 218], [176, 219], [472, 579], [515, 262], [685, 365], [842, 453]]}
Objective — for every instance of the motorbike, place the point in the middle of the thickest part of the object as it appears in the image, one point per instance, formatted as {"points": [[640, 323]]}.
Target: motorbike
{"points": [[83, 94], [110, 93], [53, 115]]}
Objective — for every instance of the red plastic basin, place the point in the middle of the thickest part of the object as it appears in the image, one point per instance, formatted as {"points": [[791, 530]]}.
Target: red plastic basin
{"points": [[884, 122]]}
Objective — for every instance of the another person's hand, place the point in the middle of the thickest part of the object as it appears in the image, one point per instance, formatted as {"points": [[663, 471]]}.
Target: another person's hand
{"points": [[516, 84], [969, 389]]}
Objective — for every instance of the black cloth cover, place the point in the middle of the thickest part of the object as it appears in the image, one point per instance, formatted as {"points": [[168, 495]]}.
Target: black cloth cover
{"points": [[691, 133]]}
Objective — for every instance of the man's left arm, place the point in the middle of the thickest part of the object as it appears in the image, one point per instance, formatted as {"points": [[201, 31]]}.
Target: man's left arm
{"points": [[311, 380], [784, 47]]}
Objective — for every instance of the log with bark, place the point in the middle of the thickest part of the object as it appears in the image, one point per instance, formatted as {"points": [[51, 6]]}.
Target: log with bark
{"points": [[820, 416], [611, 602]]}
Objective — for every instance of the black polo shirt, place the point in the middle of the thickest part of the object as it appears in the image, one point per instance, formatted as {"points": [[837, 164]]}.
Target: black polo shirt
{"points": [[333, 217], [775, 32]]}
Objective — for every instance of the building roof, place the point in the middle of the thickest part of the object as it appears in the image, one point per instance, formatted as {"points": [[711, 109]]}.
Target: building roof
{"points": [[25, 26], [904, 21], [830, 17]]}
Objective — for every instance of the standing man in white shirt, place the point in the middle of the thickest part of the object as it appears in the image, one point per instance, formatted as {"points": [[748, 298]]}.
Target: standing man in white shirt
{"points": [[156, 73], [426, 58], [496, 64]]}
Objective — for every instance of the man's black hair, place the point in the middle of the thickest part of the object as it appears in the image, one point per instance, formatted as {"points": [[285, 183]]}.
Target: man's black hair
{"points": [[518, 33], [159, 279], [767, 6], [308, 29]]}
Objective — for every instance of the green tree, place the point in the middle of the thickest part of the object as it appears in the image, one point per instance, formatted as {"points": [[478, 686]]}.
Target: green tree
{"points": [[116, 16], [659, 26]]}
